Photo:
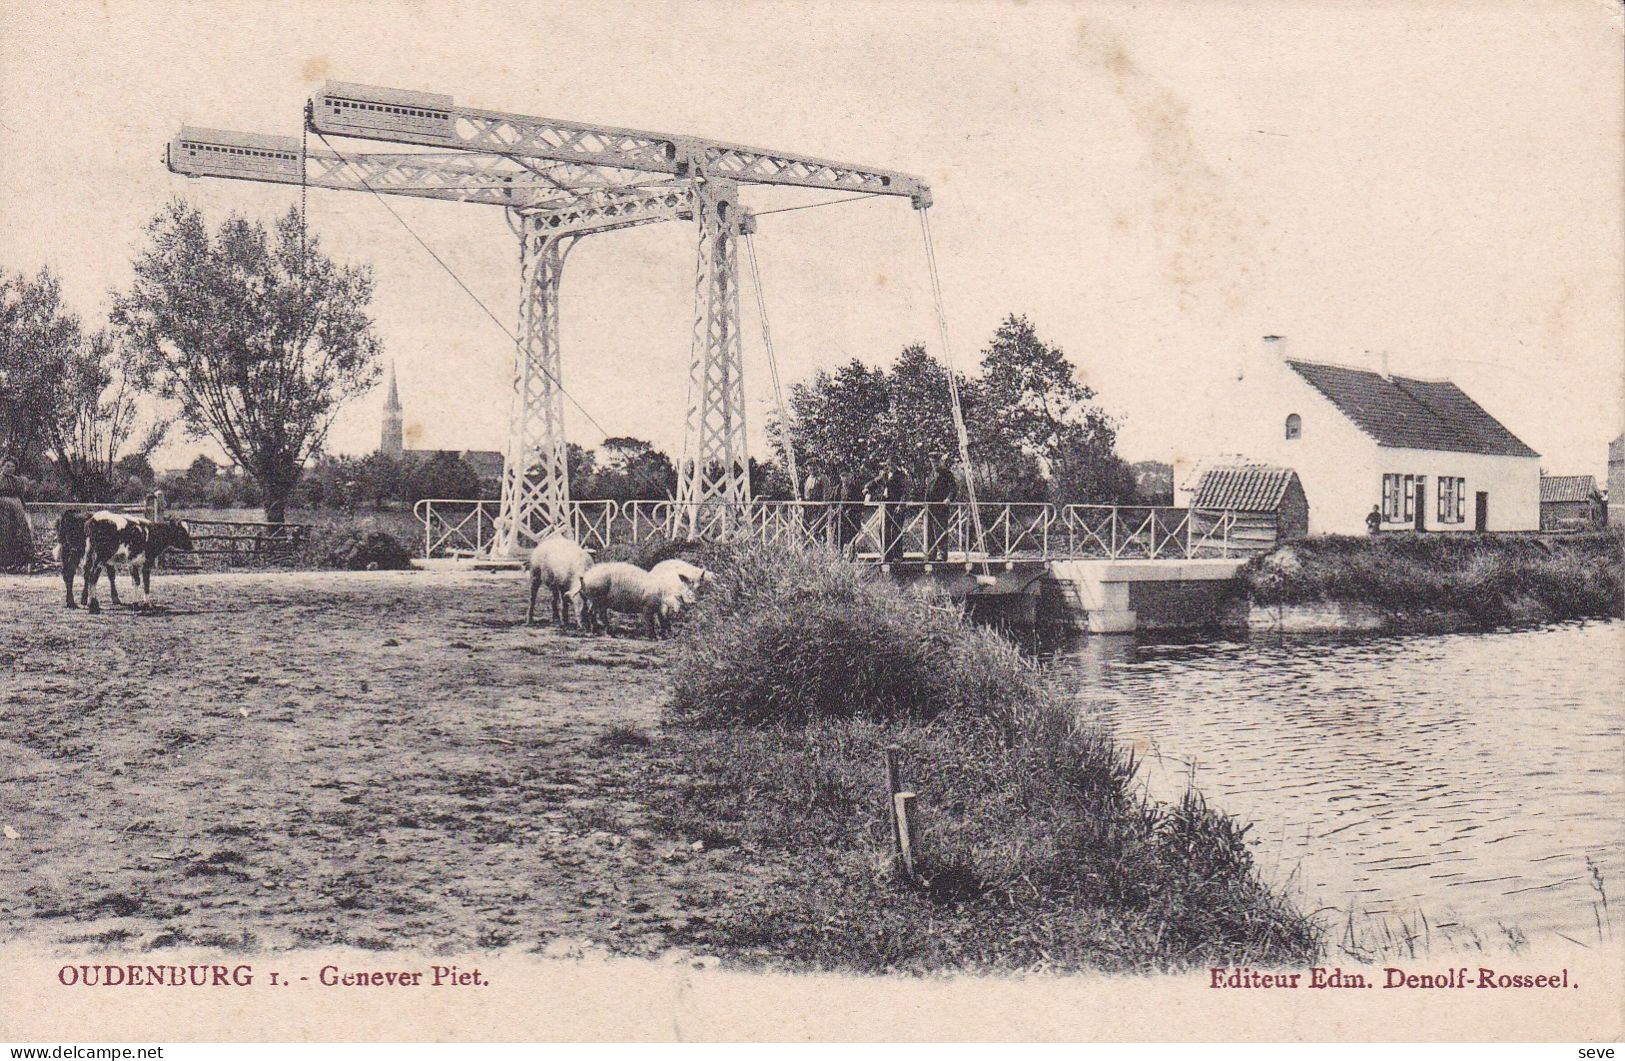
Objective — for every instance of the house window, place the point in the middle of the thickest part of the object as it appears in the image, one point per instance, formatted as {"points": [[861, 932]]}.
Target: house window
{"points": [[1400, 496], [1452, 499], [1294, 426]]}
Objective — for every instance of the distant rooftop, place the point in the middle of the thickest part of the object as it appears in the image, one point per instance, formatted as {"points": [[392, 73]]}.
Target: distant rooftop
{"points": [[1567, 488], [1412, 413], [1243, 488]]}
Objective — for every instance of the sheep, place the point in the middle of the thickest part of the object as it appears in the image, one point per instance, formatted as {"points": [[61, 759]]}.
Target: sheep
{"points": [[689, 573], [560, 564], [618, 587]]}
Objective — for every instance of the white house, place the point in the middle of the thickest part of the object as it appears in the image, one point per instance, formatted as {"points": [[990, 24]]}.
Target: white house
{"points": [[1422, 451]]}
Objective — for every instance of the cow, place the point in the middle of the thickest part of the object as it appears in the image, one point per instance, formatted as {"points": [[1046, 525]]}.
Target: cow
{"points": [[105, 538]]}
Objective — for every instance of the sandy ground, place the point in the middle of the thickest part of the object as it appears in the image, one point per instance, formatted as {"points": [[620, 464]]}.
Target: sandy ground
{"points": [[376, 759]]}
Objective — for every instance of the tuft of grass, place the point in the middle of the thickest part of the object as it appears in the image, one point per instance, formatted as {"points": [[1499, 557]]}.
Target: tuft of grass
{"points": [[1481, 580], [1037, 849], [623, 736]]}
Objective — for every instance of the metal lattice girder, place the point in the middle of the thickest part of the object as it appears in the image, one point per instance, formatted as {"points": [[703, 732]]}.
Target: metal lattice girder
{"points": [[459, 176], [535, 469], [605, 211], [716, 463], [433, 119]]}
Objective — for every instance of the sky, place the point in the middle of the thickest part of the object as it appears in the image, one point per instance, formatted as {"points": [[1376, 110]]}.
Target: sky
{"points": [[1155, 185]]}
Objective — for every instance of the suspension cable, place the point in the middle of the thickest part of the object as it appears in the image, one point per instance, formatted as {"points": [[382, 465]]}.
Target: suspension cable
{"points": [[814, 206], [466, 289], [773, 369], [953, 388]]}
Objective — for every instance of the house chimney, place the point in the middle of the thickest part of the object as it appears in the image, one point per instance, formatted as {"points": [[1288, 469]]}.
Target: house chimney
{"points": [[1385, 373], [1274, 348]]}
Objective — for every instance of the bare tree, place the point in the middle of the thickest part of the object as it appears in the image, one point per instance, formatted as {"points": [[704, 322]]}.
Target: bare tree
{"points": [[101, 416], [258, 336]]}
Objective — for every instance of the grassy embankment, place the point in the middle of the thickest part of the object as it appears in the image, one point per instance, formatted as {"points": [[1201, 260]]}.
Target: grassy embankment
{"points": [[1448, 580], [1037, 851]]}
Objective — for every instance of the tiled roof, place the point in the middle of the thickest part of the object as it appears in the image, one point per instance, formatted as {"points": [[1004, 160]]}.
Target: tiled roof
{"points": [[1567, 488], [1412, 413], [487, 463], [1248, 488]]}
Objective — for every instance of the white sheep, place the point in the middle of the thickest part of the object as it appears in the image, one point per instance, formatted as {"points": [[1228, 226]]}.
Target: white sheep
{"points": [[689, 573], [560, 564], [618, 587]]}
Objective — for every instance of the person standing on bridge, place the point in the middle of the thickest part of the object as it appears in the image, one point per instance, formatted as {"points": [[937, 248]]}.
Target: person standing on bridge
{"points": [[820, 518], [887, 491], [941, 492]]}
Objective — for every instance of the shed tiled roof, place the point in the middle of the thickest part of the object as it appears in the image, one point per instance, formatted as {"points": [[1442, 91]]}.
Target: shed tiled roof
{"points": [[487, 463], [1566, 488], [1243, 488], [1412, 413]]}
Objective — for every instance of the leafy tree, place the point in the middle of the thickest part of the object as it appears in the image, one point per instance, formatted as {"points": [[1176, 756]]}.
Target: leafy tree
{"points": [[769, 481], [259, 336], [1041, 423], [39, 339], [1035, 431], [920, 420], [202, 471], [1153, 482], [443, 474], [138, 467], [378, 478], [627, 469], [841, 419], [99, 419]]}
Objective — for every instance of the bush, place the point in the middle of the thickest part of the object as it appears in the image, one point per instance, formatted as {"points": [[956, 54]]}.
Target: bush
{"points": [[1480, 579], [362, 549], [791, 636], [795, 674]]}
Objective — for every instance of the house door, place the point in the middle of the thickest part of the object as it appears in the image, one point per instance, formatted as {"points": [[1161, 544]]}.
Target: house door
{"points": [[1421, 505], [1481, 520]]}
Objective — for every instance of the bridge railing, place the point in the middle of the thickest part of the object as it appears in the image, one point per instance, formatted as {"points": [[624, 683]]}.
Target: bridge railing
{"points": [[453, 527], [462, 527], [1144, 532], [910, 530]]}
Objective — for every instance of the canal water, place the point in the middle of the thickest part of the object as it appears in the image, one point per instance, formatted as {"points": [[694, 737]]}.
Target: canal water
{"points": [[1466, 776]]}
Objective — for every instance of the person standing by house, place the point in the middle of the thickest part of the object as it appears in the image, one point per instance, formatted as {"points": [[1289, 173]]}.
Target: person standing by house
{"points": [[1373, 520], [941, 491]]}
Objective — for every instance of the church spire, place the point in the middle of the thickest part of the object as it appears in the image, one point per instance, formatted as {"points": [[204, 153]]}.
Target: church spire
{"points": [[391, 443]]}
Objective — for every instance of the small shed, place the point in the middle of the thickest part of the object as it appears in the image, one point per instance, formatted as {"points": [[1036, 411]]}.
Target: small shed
{"points": [[1571, 502], [1268, 503]]}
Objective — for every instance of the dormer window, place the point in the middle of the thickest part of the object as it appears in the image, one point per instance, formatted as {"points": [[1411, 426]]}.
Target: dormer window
{"points": [[1294, 426]]}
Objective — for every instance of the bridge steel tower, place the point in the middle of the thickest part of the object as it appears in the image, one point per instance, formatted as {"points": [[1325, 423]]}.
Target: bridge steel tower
{"points": [[559, 181]]}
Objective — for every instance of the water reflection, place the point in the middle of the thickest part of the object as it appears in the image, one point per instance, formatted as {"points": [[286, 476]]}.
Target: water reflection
{"points": [[1469, 776]]}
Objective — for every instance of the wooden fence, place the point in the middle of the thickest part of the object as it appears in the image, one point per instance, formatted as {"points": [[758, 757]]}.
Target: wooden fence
{"points": [[215, 542]]}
